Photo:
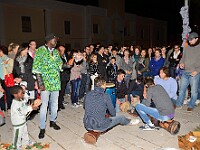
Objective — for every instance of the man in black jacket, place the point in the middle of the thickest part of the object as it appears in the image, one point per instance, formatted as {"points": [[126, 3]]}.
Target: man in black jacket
{"points": [[64, 77]]}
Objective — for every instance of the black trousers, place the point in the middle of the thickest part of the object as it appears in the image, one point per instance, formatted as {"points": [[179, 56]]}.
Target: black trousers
{"points": [[9, 96], [62, 93], [83, 85]]}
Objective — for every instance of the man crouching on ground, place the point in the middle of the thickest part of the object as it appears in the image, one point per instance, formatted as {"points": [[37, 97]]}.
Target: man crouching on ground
{"points": [[97, 104]]}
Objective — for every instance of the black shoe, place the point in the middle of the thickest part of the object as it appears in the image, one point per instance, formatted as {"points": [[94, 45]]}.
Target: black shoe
{"points": [[41, 134], [54, 125], [62, 107]]}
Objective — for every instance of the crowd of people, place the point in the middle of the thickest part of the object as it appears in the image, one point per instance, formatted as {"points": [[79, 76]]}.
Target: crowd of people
{"points": [[158, 78]]}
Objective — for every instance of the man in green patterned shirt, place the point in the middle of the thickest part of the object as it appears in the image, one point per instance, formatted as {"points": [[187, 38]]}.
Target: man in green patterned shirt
{"points": [[48, 63]]}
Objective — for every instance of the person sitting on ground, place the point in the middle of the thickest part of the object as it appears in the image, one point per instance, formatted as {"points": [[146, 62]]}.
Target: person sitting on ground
{"points": [[168, 83], [19, 111], [135, 95], [121, 90], [96, 104], [164, 109], [136, 88]]}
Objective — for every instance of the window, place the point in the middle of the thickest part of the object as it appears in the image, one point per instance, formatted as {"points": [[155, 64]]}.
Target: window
{"points": [[26, 24], [67, 27], [95, 28]]}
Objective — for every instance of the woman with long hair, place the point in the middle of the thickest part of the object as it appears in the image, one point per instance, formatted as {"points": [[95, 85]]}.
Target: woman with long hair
{"points": [[22, 69], [6, 67], [142, 65]]}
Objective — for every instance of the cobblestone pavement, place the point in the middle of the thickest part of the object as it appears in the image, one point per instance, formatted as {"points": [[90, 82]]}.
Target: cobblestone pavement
{"points": [[70, 137]]}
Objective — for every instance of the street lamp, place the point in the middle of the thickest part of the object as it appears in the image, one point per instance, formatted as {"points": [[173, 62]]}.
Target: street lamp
{"points": [[196, 28]]}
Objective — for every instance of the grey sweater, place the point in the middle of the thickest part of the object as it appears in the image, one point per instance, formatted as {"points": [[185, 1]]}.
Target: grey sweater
{"points": [[190, 59], [161, 99]]}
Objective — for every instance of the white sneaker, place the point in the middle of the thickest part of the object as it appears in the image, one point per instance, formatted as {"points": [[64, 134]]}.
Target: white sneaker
{"points": [[146, 127], [67, 95], [185, 102], [134, 121], [197, 102], [74, 105], [79, 105]]}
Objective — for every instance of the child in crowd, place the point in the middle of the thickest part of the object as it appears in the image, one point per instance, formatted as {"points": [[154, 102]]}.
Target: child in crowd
{"points": [[19, 111], [93, 69], [112, 70]]}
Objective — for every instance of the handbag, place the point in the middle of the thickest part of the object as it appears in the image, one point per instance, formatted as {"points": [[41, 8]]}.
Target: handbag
{"points": [[9, 80], [40, 81]]}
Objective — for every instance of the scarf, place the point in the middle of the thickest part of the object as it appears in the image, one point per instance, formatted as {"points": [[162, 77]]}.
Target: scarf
{"points": [[21, 61], [126, 59], [157, 58], [141, 60], [175, 55]]}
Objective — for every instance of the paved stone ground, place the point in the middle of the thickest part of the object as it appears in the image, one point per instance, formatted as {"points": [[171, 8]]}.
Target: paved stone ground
{"points": [[70, 137]]}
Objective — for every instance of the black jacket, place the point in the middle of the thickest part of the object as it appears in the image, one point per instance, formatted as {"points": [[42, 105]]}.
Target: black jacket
{"points": [[27, 76], [174, 62], [112, 72], [65, 73], [121, 88], [93, 68]]}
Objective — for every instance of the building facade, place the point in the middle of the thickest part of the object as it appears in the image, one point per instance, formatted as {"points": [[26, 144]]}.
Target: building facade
{"points": [[77, 25]]}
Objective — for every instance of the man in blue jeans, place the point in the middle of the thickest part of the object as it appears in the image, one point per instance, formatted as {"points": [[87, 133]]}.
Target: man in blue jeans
{"points": [[96, 104], [164, 109], [48, 63], [190, 64]]}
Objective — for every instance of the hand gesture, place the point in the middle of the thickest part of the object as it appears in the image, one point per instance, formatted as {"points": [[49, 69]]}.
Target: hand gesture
{"points": [[36, 104], [182, 65]]}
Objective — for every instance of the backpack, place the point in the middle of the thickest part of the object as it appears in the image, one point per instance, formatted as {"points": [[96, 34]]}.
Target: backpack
{"points": [[2, 118]]}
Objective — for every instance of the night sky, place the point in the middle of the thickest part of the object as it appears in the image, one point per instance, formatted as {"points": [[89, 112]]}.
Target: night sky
{"points": [[160, 9]]}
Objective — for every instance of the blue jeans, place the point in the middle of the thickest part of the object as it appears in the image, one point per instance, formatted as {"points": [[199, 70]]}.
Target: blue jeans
{"points": [[83, 86], [144, 110], [199, 90], [127, 79], [187, 79], [68, 87], [48, 98], [75, 84], [120, 119]]}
